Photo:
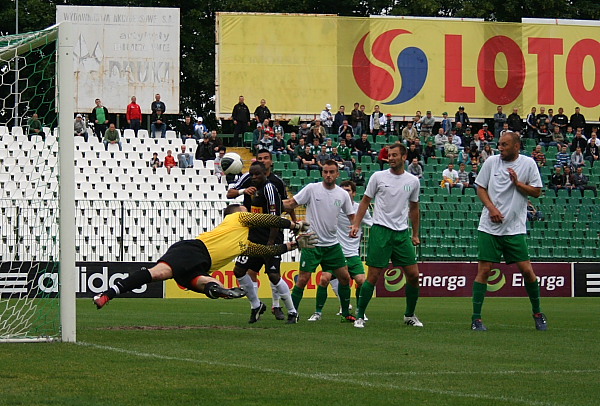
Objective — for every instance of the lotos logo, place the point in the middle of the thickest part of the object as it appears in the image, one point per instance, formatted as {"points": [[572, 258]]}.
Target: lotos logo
{"points": [[394, 279], [496, 281], [379, 82]]}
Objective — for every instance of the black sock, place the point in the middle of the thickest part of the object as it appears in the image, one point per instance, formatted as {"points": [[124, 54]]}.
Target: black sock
{"points": [[137, 280]]}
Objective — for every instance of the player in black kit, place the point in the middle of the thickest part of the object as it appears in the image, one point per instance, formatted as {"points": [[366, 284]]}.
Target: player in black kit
{"points": [[265, 200]]}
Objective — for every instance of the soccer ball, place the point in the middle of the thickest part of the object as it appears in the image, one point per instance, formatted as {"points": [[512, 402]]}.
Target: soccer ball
{"points": [[232, 163]]}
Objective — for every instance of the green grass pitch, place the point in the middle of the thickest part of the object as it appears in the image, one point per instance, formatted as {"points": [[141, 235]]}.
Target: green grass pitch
{"points": [[184, 352]]}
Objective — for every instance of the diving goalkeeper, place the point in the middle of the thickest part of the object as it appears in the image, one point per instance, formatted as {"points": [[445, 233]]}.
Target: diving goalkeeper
{"points": [[190, 262]]}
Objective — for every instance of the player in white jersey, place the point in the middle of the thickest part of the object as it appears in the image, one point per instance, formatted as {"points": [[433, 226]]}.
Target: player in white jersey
{"points": [[504, 183], [396, 194], [350, 247], [324, 201]]}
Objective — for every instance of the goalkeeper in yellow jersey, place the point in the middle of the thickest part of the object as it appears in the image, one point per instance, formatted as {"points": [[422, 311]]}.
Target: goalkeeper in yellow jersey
{"points": [[190, 262]]}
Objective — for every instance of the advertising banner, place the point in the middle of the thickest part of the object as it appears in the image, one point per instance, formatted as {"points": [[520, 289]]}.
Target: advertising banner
{"points": [[449, 279], [36, 279], [122, 52], [405, 65], [587, 279]]}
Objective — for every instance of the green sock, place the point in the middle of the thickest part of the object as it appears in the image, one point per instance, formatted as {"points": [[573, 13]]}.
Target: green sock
{"points": [[344, 293], [479, 291], [357, 292], [412, 295], [533, 290], [321, 298], [366, 293], [297, 294]]}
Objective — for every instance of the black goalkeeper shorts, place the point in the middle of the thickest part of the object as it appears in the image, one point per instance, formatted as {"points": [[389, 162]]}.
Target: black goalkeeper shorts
{"points": [[188, 259], [272, 264]]}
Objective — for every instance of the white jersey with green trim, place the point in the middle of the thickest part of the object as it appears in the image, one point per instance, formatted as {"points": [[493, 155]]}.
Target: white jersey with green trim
{"points": [[351, 246]]}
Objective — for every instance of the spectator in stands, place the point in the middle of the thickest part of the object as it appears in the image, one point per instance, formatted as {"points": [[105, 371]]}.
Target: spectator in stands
{"points": [[99, 117], [79, 127], [187, 130], [577, 159], [549, 120], [335, 156], [170, 161], [456, 140], [462, 117], [111, 136], [376, 121], [592, 153], [499, 120], [427, 125], [357, 119], [440, 140], [291, 145], [200, 129], [463, 177], [467, 137], [581, 182], [484, 135], [315, 147], [579, 140], [218, 169], [430, 152], [327, 119], [358, 176], [262, 112], [461, 130], [450, 149], [304, 130], [279, 146], [382, 158], [322, 157], [205, 151], [446, 123], [450, 179], [541, 117], [134, 115], [563, 158], [362, 147], [329, 145], [241, 118], [486, 153], [278, 128], [569, 135], [578, 120], [185, 159], [307, 160], [558, 139], [543, 135], [557, 180], [417, 119], [365, 119], [266, 142], [268, 129], [475, 154], [344, 129], [560, 120], [532, 213], [317, 131], [299, 150], [157, 104], [216, 141], [154, 161], [569, 180], [256, 137], [415, 169], [594, 138], [390, 129], [412, 153], [539, 157], [514, 120], [409, 133], [339, 118], [346, 153], [464, 157], [158, 124], [531, 121], [505, 130], [473, 176]]}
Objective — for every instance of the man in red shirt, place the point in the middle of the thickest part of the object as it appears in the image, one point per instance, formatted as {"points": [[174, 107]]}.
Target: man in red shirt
{"points": [[134, 115]]}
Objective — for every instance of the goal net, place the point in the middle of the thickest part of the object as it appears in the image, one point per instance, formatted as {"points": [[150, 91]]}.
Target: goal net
{"points": [[29, 184]]}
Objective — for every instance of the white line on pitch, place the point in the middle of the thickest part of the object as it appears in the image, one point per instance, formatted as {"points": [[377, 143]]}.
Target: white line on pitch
{"points": [[515, 372], [319, 376]]}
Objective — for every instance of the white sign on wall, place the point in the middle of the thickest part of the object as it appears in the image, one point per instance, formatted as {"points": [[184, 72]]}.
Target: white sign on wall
{"points": [[122, 52]]}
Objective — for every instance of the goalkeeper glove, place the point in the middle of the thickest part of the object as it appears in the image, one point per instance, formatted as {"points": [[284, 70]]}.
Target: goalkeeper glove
{"points": [[301, 226], [307, 240]]}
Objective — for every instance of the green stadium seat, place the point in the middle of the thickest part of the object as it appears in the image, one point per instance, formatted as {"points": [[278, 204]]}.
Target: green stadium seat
{"points": [[248, 139], [392, 139], [278, 167], [381, 139], [285, 158], [366, 159]]}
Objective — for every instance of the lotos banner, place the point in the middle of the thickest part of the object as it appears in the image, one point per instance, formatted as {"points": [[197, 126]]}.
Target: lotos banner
{"points": [[449, 279], [299, 63]]}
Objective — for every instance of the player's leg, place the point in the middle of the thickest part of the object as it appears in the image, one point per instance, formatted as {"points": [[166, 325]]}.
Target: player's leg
{"points": [[275, 296], [240, 271], [411, 272], [344, 292], [252, 266], [213, 288], [273, 269], [321, 295], [159, 272], [489, 251], [309, 260]]}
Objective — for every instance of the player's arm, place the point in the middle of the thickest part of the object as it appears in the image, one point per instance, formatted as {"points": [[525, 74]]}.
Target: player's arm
{"points": [[290, 204], [260, 250], [265, 220], [360, 214], [495, 214], [414, 212]]}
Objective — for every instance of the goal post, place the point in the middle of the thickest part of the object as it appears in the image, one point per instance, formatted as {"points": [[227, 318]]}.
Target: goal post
{"points": [[37, 207]]}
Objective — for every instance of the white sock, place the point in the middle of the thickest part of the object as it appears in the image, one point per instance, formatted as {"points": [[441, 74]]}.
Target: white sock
{"points": [[275, 294], [247, 284], [334, 285], [284, 292]]}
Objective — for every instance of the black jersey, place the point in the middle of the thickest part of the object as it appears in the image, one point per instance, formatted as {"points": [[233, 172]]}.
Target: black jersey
{"points": [[266, 200], [245, 181]]}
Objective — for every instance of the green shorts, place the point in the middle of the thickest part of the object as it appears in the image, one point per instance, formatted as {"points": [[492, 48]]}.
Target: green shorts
{"points": [[355, 266], [491, 248], [330, 258], [385, 244]]}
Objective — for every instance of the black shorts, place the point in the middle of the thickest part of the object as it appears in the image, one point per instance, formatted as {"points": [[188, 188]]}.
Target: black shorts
{"points": [[188, 259], [272, 264]]}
